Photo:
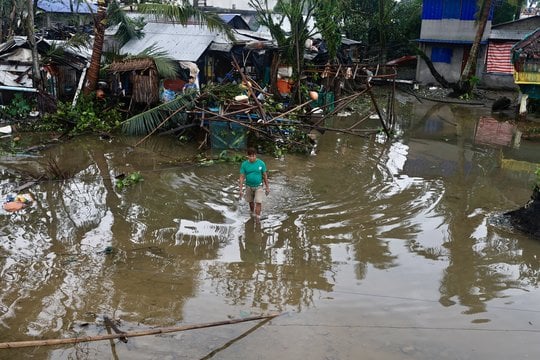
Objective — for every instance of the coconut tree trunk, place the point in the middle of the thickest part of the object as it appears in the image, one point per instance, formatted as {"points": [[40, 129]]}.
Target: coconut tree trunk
{"points": [[382, 35], [464, 85], [92, 75], [12, 25], [37, 80], [2, 10]]}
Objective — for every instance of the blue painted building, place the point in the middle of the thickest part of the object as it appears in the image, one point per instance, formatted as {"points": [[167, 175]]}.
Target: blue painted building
{"points": [[447, 33]]}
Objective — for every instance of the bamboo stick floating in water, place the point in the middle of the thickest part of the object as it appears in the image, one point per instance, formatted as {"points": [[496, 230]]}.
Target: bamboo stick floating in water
{"points": [[164, 330]]}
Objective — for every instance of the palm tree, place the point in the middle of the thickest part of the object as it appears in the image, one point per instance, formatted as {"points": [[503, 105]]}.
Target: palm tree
{"points": [[36, 73], [298, 14], [466, 84], [92, 75], [110, 13]]}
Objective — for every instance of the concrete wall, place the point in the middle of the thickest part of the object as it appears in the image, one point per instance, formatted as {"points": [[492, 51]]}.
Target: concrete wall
{"points": [[462, 34], [451, 30], [451, 71], [498, 81]]}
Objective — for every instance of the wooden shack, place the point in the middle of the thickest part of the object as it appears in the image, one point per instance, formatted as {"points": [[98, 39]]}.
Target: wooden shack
{"points": [[137, 79]]}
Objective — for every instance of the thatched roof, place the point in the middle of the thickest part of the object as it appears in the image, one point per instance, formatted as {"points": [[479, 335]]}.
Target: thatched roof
{"points": [[132, 64]]}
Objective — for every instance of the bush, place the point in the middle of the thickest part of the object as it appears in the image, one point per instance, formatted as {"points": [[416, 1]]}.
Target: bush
{"points": [[18, 108], [88, 115]]}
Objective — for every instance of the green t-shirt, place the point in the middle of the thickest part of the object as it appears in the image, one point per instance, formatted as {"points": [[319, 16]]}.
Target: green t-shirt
{"points": [[253, 171]]}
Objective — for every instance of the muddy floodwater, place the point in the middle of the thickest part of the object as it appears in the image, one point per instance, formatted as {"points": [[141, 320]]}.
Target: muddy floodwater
{"points": [[368, 249]]}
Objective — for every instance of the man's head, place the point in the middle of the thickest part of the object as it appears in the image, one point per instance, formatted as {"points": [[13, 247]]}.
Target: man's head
{"points": [[251, 154]]}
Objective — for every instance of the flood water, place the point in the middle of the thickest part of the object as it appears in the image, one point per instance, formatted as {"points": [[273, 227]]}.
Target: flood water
{"points": [[368, 249]]}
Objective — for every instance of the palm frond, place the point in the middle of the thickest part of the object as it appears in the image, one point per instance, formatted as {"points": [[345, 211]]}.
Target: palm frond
{"points": [[128, 28], [166, 66], [146, 122], [55, 51], [76, 42], [182, 15]]}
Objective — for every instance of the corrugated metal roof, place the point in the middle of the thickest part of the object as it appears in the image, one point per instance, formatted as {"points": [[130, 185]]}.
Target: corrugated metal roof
{"points": [[63, 6], [535, 20], [185, 43], [236, 21], [500, 34], [16, 76], [253, 35], [14, 42], [227, 17]]}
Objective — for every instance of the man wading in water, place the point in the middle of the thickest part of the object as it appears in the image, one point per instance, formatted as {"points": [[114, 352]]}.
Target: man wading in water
{"points": [[253, 172]]}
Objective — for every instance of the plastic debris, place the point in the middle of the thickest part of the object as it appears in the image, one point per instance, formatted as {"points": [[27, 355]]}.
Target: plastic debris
{"points": [[17, 202], [5, 129]]}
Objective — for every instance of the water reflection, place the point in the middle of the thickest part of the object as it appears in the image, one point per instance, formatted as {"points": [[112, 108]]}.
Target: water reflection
{"points": [[474, 275], [361, 214]]}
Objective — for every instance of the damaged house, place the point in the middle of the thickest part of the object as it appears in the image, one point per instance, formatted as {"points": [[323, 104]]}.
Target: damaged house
{"points": [[61, 69], [200, 52]]}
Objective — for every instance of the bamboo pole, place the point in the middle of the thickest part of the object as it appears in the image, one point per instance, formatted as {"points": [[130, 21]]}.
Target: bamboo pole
{"points": [[236, 112], [347, 99], [226, 118], [250, 91], [288, 112], [164, 330], [376, 106]]}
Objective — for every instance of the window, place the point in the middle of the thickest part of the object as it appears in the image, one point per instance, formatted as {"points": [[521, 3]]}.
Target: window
{"points": [[441, 55]]}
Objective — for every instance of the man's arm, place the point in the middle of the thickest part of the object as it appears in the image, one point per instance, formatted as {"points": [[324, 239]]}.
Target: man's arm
{"points": [[265, 180], [241, 183]]}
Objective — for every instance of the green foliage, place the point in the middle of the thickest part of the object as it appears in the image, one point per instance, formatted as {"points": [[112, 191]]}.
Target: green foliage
{"points": [[10, 147], [18, 108], [328, 15], [272, 106], [509, 10], [163, 116], [128, 28], [471, 84], [185, 13], [88, 115], [219, 93], [537, 173], [298, 14], [383, 21], [473, 81], [223, 157], [295, 141], [167, 67], [56, 51], [132, 179]]}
